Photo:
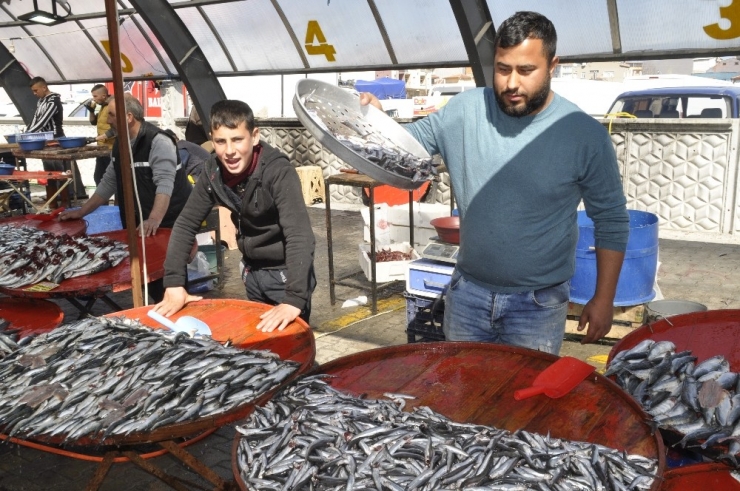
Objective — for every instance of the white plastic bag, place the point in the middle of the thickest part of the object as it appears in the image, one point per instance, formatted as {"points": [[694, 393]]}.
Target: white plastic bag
{"points": [[199, 268]]}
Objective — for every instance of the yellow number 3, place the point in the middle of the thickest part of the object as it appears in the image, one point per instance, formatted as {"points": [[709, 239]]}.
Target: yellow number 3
{"points": [[314, 33], [731, 13]]}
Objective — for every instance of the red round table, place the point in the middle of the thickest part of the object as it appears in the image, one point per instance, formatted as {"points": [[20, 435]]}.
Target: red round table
{"points": [[234, 320], [111, 280], [31, 315], [69, 227]]}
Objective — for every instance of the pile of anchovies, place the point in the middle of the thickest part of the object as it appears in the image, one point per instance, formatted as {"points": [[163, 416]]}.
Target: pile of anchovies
{"points": [[699, 401], [311, 436], [29, 255], [8, 338], [102, 377], [370, 144]]}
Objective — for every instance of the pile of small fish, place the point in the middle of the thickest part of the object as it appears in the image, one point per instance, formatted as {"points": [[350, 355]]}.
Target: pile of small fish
{"points": [[367, 142], [311, 436], [29, 255], [699, 401], [9, 338], [102, 377]]}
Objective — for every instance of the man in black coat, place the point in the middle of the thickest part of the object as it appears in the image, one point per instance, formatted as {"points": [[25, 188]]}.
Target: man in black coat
{"points": [[261, 188]]}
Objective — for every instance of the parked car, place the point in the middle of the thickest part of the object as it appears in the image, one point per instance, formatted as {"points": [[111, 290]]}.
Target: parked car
{"points": [[71, 110], [680, 102]]}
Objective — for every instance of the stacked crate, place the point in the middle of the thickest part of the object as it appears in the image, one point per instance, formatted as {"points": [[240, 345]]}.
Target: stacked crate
{"points": [[426, 283]]}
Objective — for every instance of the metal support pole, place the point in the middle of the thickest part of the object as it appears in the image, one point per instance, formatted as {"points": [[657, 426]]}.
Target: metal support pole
{"points": [[332, 292], [373, 257]]}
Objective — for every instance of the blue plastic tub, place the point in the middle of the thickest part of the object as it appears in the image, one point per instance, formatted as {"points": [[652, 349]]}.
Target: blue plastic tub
{"points": [[31, 145], [72, 141], [6, 169], [637, 278]]}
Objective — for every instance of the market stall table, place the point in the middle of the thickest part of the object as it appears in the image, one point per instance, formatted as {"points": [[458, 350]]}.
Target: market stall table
{"points": [[475, 383], [233, 320], [56, 227], [355, 179], [97, 286], [31, 315], [69, 154], [706, 334], [23, 176], [364, 182]]}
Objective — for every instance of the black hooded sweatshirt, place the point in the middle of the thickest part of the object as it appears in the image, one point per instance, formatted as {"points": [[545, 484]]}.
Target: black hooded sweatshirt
{"points": [[273, 228]]}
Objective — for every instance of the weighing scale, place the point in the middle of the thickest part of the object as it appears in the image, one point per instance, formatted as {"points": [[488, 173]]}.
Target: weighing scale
{"points": [[437, 250]]}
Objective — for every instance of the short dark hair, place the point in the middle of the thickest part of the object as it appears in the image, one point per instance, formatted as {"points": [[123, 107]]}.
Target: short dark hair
{"points": [[231, 113], [527, 25], [98, 87], [37, 80]]}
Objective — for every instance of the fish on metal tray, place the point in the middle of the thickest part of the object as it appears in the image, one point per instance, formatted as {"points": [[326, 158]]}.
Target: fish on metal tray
{"points": [[357, 134]]}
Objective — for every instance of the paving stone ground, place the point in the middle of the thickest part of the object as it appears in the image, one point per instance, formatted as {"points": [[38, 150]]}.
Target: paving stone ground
{"points": [[699, 271]]}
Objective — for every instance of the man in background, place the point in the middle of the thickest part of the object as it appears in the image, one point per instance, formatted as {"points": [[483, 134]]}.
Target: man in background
{"points": [[97, 107], [49, 116], [161, 184]]}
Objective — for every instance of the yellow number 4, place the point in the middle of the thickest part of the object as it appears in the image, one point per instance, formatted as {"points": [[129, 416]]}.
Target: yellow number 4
{"points": [[731, 13], [127, 67], [314, 34]]}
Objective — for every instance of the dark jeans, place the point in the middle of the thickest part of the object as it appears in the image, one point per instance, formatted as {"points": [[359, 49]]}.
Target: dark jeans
{"points": [[268, 286], [101, 164], [156, 290], [533, 319]]}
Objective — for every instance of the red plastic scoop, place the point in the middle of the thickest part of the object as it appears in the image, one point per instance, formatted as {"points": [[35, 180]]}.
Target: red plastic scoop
{"points": [[558, 379], [46, 216]]}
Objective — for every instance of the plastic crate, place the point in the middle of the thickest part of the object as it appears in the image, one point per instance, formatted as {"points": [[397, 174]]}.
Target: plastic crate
{"points": [[44, 135], [421, 323]]}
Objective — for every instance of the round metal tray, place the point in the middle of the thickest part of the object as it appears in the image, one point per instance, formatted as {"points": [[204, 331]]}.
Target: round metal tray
{"points": [[335, 106]]}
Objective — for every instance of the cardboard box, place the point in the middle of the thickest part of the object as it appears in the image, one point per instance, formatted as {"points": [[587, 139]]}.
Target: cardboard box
{"points": [[422, 236], [387, 270], [423, 214], [382, 226]]}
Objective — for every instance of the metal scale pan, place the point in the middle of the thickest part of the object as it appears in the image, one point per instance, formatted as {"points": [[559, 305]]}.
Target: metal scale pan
{"points": [[339, 112]]}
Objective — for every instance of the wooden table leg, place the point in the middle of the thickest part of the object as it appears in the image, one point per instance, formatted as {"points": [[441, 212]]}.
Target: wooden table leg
{"points": [[197, 465], [102, 471], [155, 471]]}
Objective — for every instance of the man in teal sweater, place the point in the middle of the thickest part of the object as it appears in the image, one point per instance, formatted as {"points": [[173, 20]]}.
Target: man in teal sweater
{"points": [[521, 159]]}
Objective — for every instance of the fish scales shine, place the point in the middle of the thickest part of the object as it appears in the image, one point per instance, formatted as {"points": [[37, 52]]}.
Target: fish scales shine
{"points": [[29, 255], [312, 436], [103, 377], [700, 401]]}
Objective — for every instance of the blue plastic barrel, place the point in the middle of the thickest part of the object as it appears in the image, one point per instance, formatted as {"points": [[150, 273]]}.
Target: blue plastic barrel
{"points": [[637, 278]]}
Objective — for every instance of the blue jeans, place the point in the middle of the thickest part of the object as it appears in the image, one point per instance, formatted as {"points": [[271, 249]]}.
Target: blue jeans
{"points": [[533, 319]]}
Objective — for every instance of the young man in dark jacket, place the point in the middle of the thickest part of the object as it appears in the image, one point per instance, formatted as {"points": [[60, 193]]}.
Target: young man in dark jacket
{"points": [[261, 188]]}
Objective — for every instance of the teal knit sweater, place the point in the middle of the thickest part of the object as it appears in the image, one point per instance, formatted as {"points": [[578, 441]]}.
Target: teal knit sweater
{"points": [[518, 183]]}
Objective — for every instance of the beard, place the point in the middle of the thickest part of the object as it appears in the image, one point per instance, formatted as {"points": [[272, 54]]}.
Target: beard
{"points": [[533, 102]]}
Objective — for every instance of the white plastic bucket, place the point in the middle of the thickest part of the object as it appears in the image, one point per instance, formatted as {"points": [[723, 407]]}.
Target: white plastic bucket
{"points": [[660, 309]]}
